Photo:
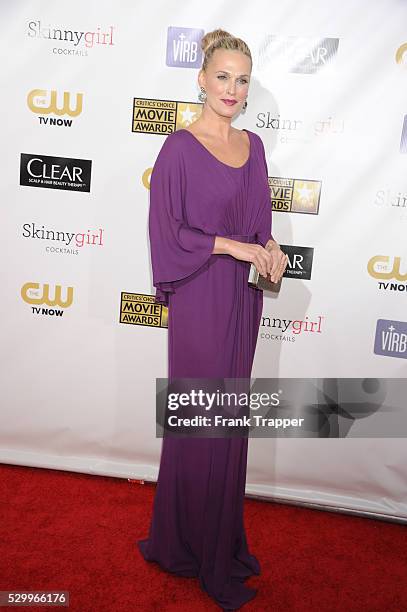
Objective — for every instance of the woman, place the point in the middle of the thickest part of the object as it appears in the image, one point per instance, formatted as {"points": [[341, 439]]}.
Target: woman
{"points": [[210, 218]]}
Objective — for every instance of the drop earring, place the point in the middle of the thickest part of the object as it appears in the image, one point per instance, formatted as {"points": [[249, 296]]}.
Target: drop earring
{"points": [[202, 95], [244, 105]]}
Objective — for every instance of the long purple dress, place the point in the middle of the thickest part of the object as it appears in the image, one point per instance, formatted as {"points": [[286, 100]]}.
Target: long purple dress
{"points": [[197, 528]]}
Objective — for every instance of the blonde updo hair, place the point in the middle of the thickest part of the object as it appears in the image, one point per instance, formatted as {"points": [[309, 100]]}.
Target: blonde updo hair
{"points": [[220, 39]]}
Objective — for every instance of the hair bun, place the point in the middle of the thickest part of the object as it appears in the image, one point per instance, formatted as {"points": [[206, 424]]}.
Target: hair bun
{"points": [[212, 37], [220, 39]]}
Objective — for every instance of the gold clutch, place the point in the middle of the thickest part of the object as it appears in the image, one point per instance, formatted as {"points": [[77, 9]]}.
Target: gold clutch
{"points": [[259, 282]]}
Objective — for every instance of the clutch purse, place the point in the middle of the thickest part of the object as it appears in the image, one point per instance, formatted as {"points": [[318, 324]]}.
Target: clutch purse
{"points": [[258, 281]]}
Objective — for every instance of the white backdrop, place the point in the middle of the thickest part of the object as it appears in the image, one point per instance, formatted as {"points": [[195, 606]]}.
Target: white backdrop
{"points": [[328, 98]]}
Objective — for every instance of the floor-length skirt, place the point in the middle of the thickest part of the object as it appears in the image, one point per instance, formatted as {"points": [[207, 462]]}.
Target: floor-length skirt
{"points": [[198, 525]]}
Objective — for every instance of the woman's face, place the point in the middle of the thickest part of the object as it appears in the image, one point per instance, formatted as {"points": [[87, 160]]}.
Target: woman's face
{"points": [[227, 77]]}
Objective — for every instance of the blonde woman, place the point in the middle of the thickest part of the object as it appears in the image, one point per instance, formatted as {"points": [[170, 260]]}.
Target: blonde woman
{"points": [[210, 218]]}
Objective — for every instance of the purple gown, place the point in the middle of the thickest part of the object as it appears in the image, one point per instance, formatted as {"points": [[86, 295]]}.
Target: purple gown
{"points": [[197, 528]]}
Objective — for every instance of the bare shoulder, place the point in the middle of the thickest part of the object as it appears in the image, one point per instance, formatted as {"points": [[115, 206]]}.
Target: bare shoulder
{"points": [[188, 128], [191, 128]]}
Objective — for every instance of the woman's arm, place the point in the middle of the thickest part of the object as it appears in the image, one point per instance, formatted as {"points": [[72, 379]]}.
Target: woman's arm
{"points": [[253, 253], [270, 260], [222, 246]]}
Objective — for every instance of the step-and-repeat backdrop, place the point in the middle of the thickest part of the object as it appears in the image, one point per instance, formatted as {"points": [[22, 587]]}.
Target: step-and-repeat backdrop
{"points": [[90, 90]]}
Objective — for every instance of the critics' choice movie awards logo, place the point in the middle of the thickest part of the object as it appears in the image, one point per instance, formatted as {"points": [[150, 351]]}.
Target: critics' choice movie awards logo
{"points": [[388, 271], [296, 54], [55, 172], [391, 338], [47, 299], [152, 116], [141, 309], [62, 105], [69, 243], [299, 261], [403, 141], [295, 195], [288, 330], [184, 47], [74, 42]]}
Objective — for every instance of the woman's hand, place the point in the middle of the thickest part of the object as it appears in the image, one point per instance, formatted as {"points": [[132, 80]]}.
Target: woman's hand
{"points": [[253, 253], [280, 260], [270, 261]]}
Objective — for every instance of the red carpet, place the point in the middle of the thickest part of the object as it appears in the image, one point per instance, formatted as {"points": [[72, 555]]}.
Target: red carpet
{"points": [[75, 532]]}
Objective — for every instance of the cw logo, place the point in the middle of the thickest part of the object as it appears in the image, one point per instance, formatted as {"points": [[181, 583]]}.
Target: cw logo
{"points": [[384, 271], [146, 178], [45, 103], [400, 54], [30, 292]]}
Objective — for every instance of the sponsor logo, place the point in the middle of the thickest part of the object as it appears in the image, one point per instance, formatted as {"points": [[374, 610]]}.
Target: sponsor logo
{"points": [[145, 179], [295, 195], [387, 270], [68, 243], [299, 261], [401, 54], [141, 309], [183, 47], [151, 116], [43, 102], [41, 296], [75, 42], [55, 172], [391, 338], [393, 200], [287, 330], [294, 131], [301, 55]]}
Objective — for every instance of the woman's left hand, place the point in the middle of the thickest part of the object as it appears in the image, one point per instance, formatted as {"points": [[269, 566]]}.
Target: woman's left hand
{"points": [[280, 261]]}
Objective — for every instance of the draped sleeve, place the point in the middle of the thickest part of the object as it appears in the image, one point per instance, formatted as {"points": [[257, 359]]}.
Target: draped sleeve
{"points": [[177, 249], [265, 217]]}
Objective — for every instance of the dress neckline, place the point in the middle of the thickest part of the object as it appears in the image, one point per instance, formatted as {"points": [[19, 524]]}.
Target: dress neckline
{"points": [[214, 156]]}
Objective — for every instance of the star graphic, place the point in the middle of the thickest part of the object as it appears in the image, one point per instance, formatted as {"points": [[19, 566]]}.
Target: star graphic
{"points": [[187, 116], [305, 193]]}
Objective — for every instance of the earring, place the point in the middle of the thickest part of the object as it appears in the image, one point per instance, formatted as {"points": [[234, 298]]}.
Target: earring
{"points": [[244, 105], [202, 95]]}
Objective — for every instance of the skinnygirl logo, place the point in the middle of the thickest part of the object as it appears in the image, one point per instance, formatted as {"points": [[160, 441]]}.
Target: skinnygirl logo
{"points": [[75, 38], [286, 329]]}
